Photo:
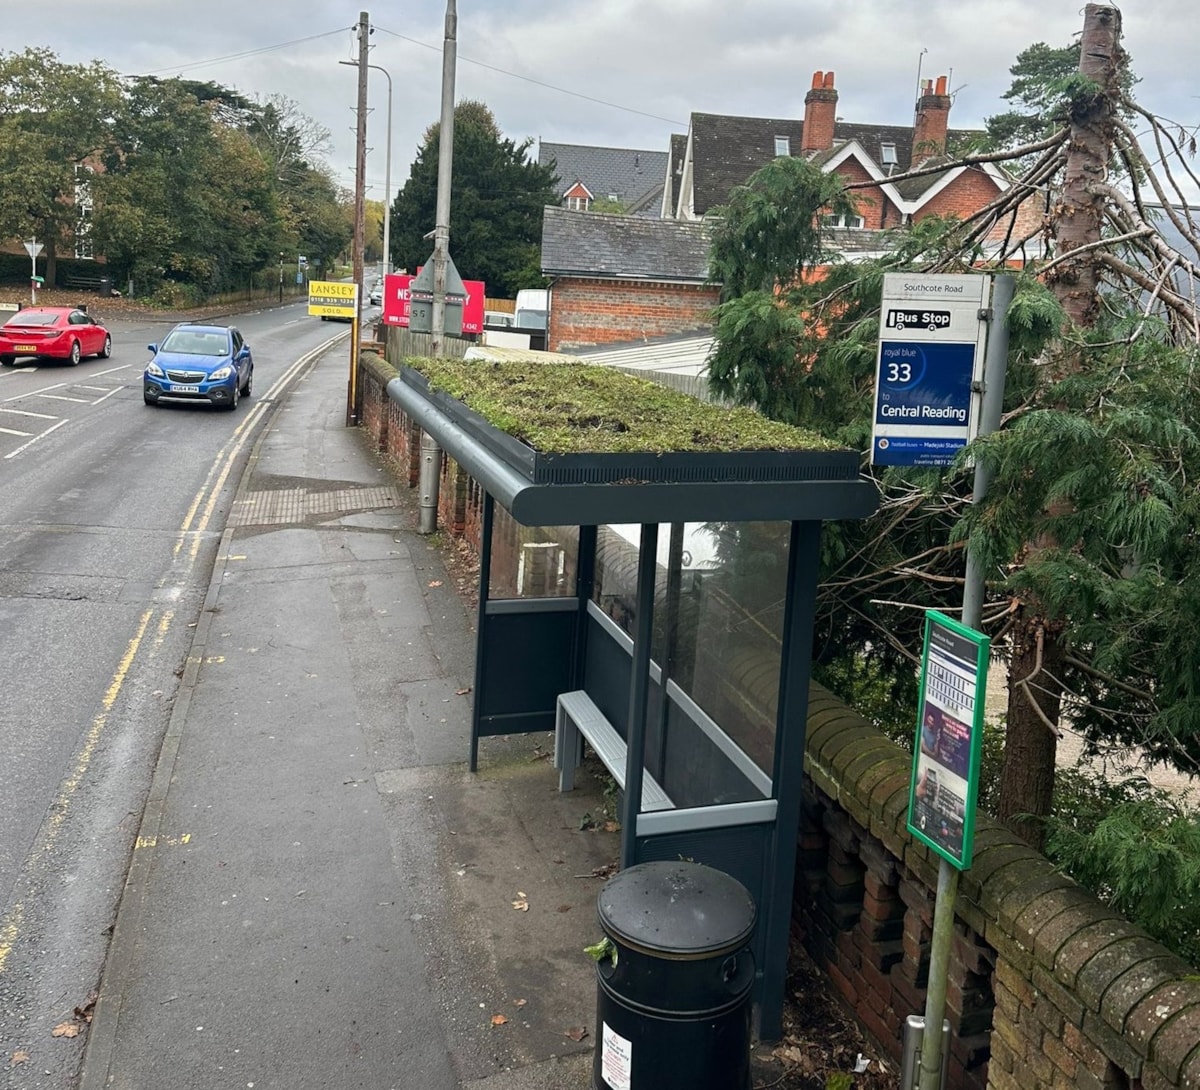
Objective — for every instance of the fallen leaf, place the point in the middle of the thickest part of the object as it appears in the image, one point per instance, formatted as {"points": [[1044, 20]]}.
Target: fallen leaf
{"points": [[19, 1057], [498, 1019], [65, 1029], [576, 1033], [520, 1002], [435, 583], [564, 908], [84, 1013], [521, 905], [462, 692]]}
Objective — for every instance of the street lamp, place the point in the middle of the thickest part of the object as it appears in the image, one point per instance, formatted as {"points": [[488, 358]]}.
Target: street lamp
{"points": [[387, 176]]}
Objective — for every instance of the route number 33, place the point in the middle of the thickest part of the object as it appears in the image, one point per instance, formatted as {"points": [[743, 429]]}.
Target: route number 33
{"points": [[898, 373]]}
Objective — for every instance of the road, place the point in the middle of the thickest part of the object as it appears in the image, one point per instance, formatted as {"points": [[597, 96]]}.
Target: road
{"points": [[111, 513]]}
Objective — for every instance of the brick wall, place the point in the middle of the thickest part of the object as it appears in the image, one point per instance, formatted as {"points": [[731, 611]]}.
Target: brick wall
{"points": [[1047, 988], [592, 312]]}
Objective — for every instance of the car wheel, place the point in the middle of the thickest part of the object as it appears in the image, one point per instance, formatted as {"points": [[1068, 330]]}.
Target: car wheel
{"points": [[234, 397], [8, 361], [106, 351], [76, 354], [249, 383], [148, 399]]}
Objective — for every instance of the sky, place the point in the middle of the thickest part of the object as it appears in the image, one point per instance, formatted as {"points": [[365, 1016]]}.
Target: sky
{"points": [[612, 73]]}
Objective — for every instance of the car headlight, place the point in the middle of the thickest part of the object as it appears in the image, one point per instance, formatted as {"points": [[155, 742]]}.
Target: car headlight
{"points": [[152, 368], [221, 373]]}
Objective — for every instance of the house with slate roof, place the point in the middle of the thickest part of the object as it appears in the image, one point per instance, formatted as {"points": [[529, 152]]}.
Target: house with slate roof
{"points": [[628, 177], [721, 152], [616, 279]]}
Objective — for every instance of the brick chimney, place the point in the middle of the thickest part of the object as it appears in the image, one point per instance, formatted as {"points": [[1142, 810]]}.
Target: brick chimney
{"points": [[933, 115], [820, 110]]}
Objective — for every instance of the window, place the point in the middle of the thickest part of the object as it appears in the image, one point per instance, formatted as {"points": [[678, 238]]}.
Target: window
{"points": [[783, 145], [854, 223], [579, 204], [887, 155], [83, 205]]}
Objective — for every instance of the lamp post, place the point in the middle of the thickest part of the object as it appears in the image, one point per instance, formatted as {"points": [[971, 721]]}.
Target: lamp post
{"points": [[387, 175]]}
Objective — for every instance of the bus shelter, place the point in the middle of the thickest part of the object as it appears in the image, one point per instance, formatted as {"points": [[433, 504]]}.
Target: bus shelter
{"points": [[678, 593]]}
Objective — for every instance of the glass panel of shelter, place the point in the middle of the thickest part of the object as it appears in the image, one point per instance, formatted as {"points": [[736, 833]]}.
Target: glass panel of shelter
{"points": [[718, 630], [532, 561]]}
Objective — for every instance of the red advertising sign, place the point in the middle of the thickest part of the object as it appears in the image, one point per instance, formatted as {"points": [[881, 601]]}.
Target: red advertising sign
{"points": [[396, 301]]}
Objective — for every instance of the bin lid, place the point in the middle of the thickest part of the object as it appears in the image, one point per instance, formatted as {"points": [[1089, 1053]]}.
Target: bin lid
{"points": [[676, 909]]}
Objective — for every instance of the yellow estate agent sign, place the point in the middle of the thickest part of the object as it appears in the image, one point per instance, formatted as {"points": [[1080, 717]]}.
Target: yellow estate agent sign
{"points": [[330, 299]]}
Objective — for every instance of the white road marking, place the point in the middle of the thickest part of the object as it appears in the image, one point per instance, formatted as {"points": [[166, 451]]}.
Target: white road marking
{"points": [[26, 446]]}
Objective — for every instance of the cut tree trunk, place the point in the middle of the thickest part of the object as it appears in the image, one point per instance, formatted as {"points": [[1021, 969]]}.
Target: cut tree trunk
{"points": [[1031, 740], [1027, 778], [1079, 215]]}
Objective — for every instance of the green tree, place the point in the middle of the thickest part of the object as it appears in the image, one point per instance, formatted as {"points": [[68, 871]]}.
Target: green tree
{"points": [[497, 197], [54, 121]]}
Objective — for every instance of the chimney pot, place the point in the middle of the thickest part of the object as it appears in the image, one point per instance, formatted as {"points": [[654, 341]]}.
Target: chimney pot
{"points": [[932, 120], [820, 114]]}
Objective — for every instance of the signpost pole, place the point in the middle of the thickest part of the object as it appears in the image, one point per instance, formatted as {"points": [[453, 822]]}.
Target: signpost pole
{"points": [[994, 373], [33, 248]]}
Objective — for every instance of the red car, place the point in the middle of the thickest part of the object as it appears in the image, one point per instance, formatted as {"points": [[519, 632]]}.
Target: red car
{"points": [[63, 333]]}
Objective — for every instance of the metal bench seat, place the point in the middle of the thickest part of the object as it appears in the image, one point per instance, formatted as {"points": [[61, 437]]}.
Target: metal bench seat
{"points": [[577, 718]]}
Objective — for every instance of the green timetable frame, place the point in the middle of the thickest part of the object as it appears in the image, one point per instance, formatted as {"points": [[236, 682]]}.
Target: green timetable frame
{"points": [[945, 777]]}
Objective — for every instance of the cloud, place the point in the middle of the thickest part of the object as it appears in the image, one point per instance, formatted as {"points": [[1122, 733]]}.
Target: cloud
{"points": [[624, 73]]}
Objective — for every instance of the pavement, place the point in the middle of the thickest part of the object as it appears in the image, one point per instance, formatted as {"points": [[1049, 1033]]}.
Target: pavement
{"points": [[322, 895]]}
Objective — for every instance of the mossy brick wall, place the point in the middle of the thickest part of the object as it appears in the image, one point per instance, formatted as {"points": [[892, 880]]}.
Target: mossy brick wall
{"points": [[1047, 987]]}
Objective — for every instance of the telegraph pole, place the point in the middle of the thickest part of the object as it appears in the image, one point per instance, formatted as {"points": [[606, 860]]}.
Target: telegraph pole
{"points": [[360, 190]]}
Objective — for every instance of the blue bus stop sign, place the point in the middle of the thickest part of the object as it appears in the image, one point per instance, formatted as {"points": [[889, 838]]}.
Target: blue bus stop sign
{"points": [[930, 360]]}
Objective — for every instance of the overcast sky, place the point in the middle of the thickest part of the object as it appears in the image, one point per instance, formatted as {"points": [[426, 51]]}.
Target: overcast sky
{"points": [[614, 73]]}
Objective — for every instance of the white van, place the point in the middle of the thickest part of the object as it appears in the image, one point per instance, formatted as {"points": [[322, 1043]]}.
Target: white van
{"points": [[532, 309]]}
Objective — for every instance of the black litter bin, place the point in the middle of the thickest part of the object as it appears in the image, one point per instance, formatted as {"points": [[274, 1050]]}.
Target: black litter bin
{"points": [[106, 287], [673, 999]]}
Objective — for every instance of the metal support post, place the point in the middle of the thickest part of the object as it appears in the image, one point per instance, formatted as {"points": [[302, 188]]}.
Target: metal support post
{"points": [[441, 233]]}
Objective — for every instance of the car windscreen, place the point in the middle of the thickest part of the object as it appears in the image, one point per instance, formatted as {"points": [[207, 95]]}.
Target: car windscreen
{"points": [[196, 342], [35, 317]]}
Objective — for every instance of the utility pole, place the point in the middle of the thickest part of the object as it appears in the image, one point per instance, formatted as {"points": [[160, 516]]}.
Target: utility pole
{"points": [[360, 190], [429, 476]]}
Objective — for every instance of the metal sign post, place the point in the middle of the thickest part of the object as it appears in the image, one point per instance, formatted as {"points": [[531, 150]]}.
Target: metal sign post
{"points": [[952, 705], [33, 248]]}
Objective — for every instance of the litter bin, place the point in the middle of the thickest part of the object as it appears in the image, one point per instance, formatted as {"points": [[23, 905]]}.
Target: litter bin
{"points": [[673, 994], [105, 289]]}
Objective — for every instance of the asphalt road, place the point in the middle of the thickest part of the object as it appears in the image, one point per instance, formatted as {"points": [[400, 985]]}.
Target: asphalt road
{"points": [[110, 517]]}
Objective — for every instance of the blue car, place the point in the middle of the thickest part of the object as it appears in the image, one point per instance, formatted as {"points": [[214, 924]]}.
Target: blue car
{"points": [[210, 363]]}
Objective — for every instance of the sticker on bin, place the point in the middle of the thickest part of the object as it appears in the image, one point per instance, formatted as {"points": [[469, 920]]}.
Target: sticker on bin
{"points": [[616, 1061]]}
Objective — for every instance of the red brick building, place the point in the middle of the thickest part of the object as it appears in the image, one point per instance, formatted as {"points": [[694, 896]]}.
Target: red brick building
{"points": [[616, 279], [721, 152]]}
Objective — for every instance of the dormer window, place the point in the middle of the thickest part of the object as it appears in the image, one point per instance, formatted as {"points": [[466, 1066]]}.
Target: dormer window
{"points": [[579, 204], [783, 146], [887, 155]]}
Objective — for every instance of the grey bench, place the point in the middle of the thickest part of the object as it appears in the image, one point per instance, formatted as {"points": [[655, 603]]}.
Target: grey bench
{"points": [[577, 718]]}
